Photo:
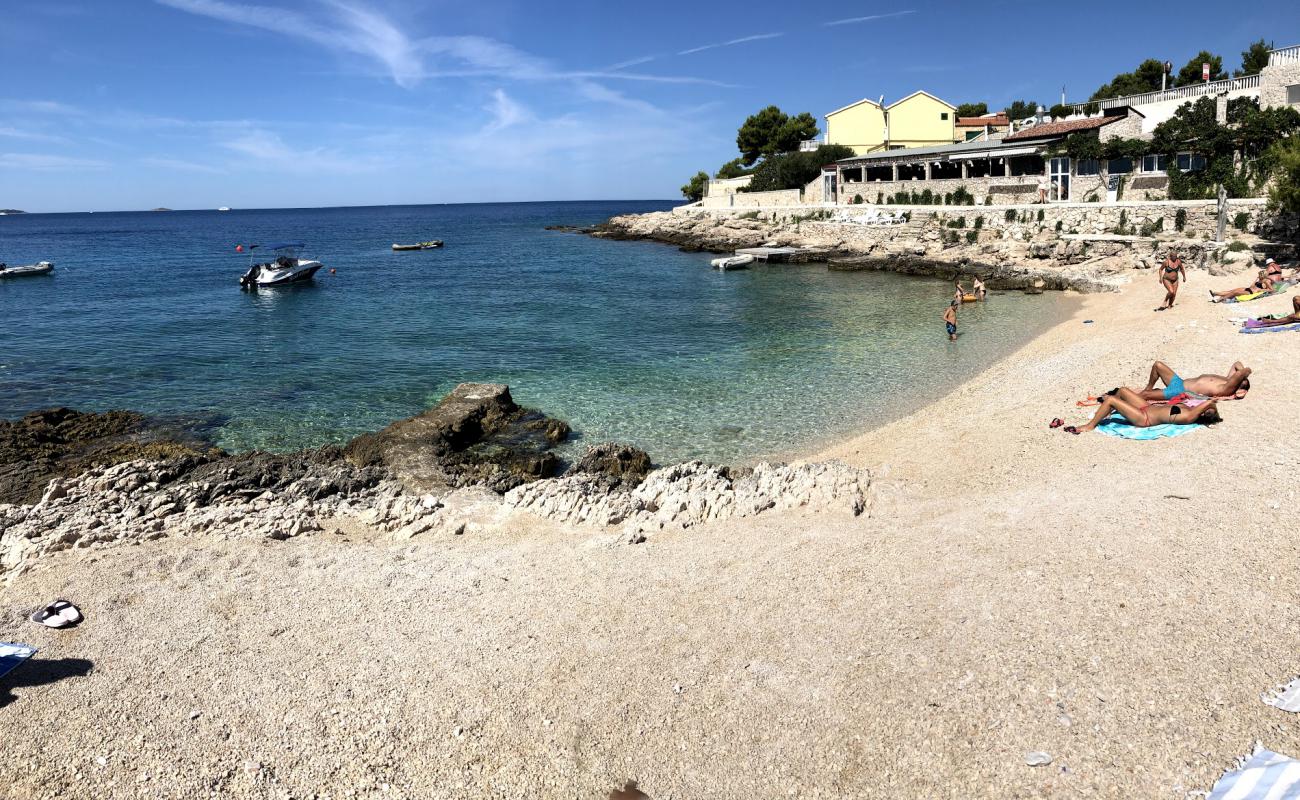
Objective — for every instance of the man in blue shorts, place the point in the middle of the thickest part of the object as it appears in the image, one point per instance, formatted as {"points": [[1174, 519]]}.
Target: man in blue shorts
{"points": [[950, 320], [1235, 384]]}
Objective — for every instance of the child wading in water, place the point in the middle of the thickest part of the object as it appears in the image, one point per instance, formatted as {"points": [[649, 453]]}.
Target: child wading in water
{"points": [[950, 320]]}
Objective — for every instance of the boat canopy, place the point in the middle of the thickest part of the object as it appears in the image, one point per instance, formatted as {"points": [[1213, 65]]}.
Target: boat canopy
{"points": [[285, 246]]}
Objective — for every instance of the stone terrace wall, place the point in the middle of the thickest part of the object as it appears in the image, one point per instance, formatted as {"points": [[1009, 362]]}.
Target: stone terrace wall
{"points": [[750, 200], [1082, 218]]}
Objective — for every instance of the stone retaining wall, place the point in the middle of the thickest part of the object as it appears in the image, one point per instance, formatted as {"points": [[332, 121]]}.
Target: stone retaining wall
{"points": [[749, 200]]}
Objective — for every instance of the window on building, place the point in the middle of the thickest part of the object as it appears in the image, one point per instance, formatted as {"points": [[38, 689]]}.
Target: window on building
{"points": [[1293, 94], [1190, 162], [1119, 166], [1088, 166], [943, 115], [1154, 163]]}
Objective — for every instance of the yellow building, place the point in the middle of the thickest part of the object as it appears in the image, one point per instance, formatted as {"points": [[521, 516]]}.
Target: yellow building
{"points": [[918, 120]]}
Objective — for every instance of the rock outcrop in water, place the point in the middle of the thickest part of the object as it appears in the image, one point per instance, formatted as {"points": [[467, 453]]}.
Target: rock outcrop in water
{"points": [[475, 435], [60, 442], [440, 472]]}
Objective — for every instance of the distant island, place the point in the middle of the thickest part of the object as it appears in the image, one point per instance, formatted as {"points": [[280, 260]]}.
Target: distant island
{"points": [[162, 209], [11, 211]]}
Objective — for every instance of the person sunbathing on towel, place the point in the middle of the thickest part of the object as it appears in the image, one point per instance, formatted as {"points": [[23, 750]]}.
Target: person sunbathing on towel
{"points": [[1262, 284], [1143, 414], [1290, 319], [1235, 384]]}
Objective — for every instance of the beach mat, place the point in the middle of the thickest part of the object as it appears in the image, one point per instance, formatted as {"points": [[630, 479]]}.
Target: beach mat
{"points": [[1278, 288], [1264, 774], [1273, 329], [1117, 426], [13, 655]]}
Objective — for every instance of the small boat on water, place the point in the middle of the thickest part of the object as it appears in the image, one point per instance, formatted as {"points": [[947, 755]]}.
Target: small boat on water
{"points": [[732, 262], [224, 208], [39, 268], [285, 268], [429, 245]]}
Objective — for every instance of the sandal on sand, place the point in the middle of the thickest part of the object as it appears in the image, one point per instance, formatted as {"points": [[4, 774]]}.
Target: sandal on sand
{"points": [[1072, 429], [59, 614], [1056, 423]]}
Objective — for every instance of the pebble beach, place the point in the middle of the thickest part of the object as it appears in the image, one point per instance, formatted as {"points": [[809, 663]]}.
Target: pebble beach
{"points": [[1001, 591]]}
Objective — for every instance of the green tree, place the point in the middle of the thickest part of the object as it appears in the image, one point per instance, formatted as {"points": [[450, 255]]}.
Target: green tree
{"points": [[1060, 111], [972, 110], [1191, 71], [1254, 58], [771, 131], [1020, 109], [694, 188], [1146, 78], [732, 169], [1285, 194], [795, 170]]}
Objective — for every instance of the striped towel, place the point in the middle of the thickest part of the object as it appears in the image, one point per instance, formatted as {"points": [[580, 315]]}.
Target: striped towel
{"points": [[1273, 329], [11, 655], [1115, 425], [1286, 697], [1265, 775]]}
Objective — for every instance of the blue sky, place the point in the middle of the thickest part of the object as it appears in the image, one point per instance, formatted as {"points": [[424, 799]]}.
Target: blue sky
{"points": [[131, 104]]}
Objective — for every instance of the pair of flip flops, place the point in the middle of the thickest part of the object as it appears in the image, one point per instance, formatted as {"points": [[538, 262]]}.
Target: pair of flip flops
{"points": [[1058, 422], [59, 614]]}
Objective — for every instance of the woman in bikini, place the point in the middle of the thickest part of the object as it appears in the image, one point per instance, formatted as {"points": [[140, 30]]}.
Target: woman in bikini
{"points": [[1273, 270], [1170, 272], [978, 288], [1143, 414], [1261, 284]]}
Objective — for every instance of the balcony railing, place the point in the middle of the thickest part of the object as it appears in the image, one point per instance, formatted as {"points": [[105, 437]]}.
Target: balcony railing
{"points": [[1285, 55], [809, 145], [1180, 93]]}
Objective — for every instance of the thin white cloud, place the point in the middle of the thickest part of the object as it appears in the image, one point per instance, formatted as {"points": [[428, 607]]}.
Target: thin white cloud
{"points": [[50, 107], [46, 162], [30, 136], [600, 93], [269, 151], [633, 62], [353, 28], [180, 165], [758, 37], [869, 18], [506, 113]]}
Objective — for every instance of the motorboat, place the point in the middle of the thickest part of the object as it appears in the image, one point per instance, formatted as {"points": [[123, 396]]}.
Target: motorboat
{"points": [[39, 268], [224, 208], [732, 262], [429, 245], [283, 269]]}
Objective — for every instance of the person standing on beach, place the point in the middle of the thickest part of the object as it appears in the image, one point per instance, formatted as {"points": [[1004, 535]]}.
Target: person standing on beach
{"points": [[978, 288], [950, 320], [1170, 273]]}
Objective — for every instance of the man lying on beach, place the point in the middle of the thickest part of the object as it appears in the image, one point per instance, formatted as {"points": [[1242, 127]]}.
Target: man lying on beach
{"points": [[1235, 384], [1142, 414], [1261, 284], [1290, 319]]}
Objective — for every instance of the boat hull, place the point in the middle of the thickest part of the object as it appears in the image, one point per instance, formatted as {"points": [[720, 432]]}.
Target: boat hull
{"points": [[43, 268]]}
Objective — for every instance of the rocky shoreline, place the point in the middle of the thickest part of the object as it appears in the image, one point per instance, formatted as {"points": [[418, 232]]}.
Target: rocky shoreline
{"points": [[1019, 254], [78, 481]]}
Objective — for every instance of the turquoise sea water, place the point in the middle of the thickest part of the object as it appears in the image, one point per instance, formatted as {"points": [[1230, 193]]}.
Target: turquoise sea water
{"points": [[627, 341]]}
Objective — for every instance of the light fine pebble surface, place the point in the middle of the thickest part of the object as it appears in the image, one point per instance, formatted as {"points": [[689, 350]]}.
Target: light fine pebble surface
{"points": [[929, 609]]}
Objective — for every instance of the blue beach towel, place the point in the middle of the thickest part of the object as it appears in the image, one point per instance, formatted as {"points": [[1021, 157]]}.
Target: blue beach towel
{"points": [[1264, 774], [1274, 329], [1115, 425], [12, 655]]}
